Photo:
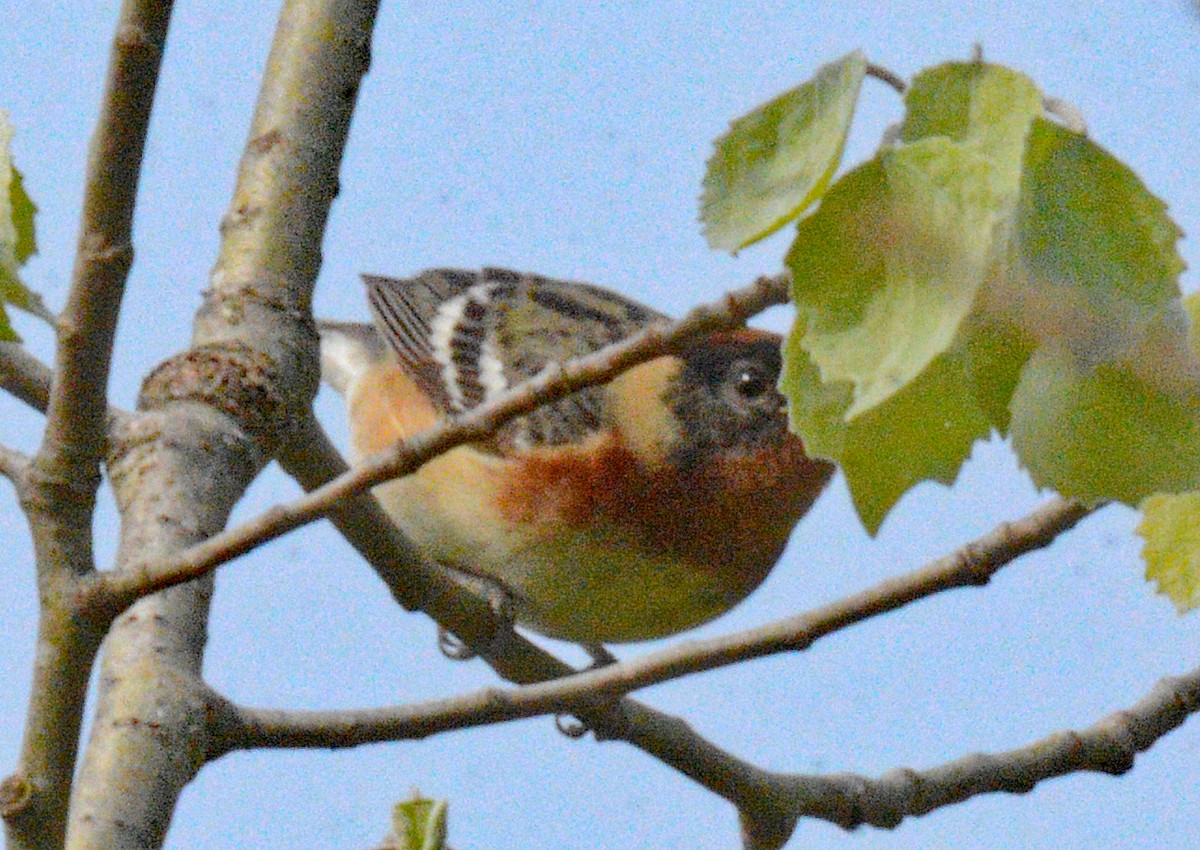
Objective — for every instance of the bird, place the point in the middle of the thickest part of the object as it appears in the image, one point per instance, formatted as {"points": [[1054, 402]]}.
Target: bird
{"points": [[627, 511]]}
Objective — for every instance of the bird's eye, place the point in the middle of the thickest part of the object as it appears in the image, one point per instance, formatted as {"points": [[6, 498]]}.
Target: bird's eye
{"points": [[751, 382]]}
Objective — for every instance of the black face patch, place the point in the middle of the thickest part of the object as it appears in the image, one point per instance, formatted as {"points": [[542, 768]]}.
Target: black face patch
{"points": [[726, 399]]}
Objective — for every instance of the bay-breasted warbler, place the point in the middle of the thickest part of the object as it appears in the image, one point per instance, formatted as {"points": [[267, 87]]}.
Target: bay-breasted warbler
{"points": [[626, 511]]}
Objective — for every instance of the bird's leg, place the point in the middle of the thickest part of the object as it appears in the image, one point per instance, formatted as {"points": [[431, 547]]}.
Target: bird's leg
{"points": [[600, 655], [500, 599]]}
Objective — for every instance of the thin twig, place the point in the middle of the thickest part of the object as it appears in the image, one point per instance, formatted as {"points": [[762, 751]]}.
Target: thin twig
{"points": [[888, 76], [971, 565], [13, 464], [24, 376], [121, 588]]}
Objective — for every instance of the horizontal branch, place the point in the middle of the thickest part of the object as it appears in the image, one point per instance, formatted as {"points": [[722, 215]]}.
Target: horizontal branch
{"points": [[778, 800], [1108, 746], [118, 589], [971, 565]]}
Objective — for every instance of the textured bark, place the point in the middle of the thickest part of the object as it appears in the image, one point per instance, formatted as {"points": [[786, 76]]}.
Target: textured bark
{"points": [[210, 419]]}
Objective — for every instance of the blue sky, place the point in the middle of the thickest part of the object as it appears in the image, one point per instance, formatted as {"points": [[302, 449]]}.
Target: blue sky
{"points": [[569, 139]]}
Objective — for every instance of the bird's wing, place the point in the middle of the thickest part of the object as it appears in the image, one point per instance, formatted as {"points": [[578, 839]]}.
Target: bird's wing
{"points": [[468, 337]]}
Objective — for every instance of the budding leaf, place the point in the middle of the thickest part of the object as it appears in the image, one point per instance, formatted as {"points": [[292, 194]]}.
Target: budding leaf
{"points": [[419, 824], [17, 241]]}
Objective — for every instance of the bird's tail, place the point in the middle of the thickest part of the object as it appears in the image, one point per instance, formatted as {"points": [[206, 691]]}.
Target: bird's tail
{"points": [[347, 349]]}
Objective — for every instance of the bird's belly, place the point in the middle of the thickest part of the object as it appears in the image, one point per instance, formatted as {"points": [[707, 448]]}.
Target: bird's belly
{"points": [[571, 580], [599, 591]]}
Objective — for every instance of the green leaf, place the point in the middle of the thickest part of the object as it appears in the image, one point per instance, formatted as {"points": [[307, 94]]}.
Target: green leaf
{"points": [[1171, 528], [1171, 522], [914, 245], [986, 106], [1006, 270], [889, 267], [23, 211], [17, 240], [1191, 306], [1109, 405], [420, 824], [1100, 431], [778, 160], [1092, 252], [888, 368], [923, 432]]}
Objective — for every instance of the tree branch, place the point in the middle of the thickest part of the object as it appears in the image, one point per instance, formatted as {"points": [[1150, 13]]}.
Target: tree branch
{"points": [[75, 438], [211, 418], [24, 376], [13, 464], [59, 489], [971, 565], [121, 588], [1108, 746]]}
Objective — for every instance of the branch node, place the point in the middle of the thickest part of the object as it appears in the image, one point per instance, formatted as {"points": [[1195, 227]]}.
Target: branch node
{"points": [[16, 796], [232, 377]]}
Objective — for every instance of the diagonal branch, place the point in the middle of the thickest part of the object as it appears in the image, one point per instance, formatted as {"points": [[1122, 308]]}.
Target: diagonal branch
{"points": [[24, 376], [120, 589], [971, 565], [13, 464]]}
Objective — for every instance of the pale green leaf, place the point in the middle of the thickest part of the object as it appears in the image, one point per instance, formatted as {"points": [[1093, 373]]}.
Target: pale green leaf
{"points": [[890, 370], [17, 241], [889, 267], [985, 106], [1101, 431], [778, 160], [912, 234], [420, 824], [1171, 529], [923, 432]]}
